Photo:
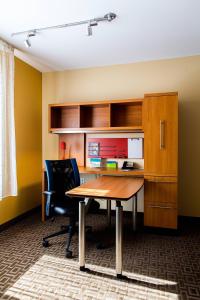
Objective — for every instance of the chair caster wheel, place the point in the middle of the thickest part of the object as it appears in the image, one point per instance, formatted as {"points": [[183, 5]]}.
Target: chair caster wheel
{"points": [[69, 254], [45, 244]]}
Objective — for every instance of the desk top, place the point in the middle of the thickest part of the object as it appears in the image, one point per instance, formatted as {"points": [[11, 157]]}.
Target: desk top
{"points": [[107, 171], [109, 187]]}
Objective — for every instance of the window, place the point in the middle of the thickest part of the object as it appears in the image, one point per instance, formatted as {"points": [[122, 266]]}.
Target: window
{"points": [[8, 177]]}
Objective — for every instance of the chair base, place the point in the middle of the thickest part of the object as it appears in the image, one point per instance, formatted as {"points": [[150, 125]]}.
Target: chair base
{"points": [[68, 254], [57, 233], [70, 229], [45, 243]]}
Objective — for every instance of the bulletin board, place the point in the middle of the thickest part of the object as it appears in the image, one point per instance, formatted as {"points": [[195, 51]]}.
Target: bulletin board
{"points": [[108, 147], [115, 147]]}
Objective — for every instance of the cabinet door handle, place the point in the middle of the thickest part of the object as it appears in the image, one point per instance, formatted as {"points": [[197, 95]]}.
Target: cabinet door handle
{"points": [[159, 206], [162, 134]]}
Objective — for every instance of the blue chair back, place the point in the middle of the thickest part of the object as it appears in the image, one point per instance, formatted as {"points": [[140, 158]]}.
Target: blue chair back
{"points": [[62, 175]]}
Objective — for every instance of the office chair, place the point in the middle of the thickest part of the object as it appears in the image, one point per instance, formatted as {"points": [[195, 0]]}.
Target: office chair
{"points": [[62, 175]]}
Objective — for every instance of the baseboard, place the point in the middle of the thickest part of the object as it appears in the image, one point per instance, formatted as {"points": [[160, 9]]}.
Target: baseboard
{"points": [[189, 220], [19, 218], [183, 222]]}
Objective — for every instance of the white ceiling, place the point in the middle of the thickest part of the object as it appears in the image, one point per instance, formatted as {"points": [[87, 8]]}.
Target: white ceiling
{"points": [[143, 30]]}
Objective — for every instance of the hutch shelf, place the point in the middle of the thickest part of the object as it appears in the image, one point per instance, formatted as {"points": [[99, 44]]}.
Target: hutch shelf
{"points": [[103, 116]]}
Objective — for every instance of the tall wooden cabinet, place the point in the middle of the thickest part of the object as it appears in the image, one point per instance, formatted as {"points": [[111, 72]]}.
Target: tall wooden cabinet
{"points": [[160, 122]]}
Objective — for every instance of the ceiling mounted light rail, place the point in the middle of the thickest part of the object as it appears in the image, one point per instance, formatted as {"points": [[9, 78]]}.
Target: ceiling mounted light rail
{"points": [[90, 23]]}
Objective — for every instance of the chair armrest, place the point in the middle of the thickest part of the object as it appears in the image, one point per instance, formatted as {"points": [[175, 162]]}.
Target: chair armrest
{"points": [[49, 202], [49, 192]]}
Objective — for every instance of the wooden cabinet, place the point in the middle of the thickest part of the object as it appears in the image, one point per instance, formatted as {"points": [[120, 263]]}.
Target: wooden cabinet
{"points": [[160, 216], [113, 116], [160, 121], [161, 190], [160, 204]]}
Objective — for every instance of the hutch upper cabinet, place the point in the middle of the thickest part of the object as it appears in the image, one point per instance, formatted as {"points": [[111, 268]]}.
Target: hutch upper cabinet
{"points": [[160, 121], [123, 115]]}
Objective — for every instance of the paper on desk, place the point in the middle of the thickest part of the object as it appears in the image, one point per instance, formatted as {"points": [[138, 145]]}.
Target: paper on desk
{"points": [[135, 148]]}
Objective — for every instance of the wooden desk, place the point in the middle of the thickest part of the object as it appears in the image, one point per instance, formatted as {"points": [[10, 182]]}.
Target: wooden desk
{"points": [[95, 171], [111, 188]]}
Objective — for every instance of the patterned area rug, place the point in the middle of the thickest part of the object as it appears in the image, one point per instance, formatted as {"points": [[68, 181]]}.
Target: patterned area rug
{"points": [[56, 278], [157, 266]]}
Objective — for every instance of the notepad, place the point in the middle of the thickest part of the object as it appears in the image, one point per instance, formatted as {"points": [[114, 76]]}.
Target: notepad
{"points": [[135, 148]]}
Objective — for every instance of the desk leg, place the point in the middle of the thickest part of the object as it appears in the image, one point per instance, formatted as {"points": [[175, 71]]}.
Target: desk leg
{"points": [[82, 235], [109, 212], [119, 212], [134, 212]]}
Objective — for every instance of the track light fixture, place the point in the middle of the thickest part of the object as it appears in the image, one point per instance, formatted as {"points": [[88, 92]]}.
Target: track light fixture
{"points": [[110, 17], [90, 23], [27, 40], [27, 43], [89, 30]]}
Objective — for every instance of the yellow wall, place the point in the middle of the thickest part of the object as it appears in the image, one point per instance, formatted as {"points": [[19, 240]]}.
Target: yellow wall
{"points": [[28, 122], [133, 80]]}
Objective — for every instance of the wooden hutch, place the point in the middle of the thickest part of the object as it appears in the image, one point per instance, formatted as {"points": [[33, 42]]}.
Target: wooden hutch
{"points": [[157, 116]]}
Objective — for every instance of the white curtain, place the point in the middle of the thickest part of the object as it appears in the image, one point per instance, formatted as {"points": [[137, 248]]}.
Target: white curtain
{"points": [[8, 176]]}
